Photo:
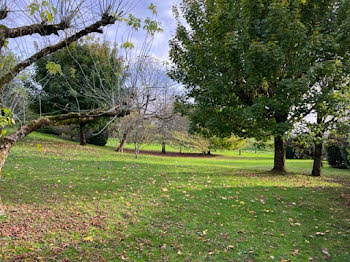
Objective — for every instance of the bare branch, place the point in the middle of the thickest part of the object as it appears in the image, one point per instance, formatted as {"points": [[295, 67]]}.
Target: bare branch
{"points": [[94, 28]]}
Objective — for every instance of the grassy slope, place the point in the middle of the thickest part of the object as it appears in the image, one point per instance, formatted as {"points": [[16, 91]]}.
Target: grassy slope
{"points": [[94, 204]]}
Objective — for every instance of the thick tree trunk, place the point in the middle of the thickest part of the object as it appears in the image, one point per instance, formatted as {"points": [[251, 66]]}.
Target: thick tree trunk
{"points": [[121, 146], [280, 155], [163, 148], [82, 134], [316, 170]]}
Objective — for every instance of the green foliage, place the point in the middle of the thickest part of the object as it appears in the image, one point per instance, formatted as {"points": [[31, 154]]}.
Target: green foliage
{"points": [[98, 132], [290, 154], [227, 143], [337, 156], [53, 68], [99, 140], [299, 148], [246, 64], [6, 119], [84, 76], [44, 9]]}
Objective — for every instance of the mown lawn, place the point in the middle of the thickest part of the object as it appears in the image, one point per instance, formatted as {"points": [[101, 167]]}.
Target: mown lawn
{"points": [[69, 203]]}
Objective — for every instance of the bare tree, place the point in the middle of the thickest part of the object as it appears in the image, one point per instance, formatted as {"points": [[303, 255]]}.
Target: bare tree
{"points": [[146, 77], [142, 131]]}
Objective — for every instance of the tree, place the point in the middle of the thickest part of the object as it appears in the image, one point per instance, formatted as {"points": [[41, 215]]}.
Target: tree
{"points": [[142, 132], [227, 143], [244, 63], [63, 19], [149, 84], [330, 104], [88, 76]]}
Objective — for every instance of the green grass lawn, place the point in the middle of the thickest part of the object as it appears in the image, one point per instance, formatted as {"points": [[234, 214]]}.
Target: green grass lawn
{"points": [[64, 202]]}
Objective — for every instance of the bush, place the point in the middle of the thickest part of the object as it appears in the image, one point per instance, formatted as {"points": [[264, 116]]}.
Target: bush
{"points": [[290, 153], [337, 156], [298, 149], [98, 140], [50, 130]]}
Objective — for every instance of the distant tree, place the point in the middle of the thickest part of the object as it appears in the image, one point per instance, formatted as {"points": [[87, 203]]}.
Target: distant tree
{"points": [[142, 132], [227, 143], [182, 140], [151, 95]]}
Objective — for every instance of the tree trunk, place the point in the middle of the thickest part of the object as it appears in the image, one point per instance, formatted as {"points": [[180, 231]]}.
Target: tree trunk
{"points": [[137, 148], [316, 170], [4, 152], [280, 155], [82, 134], [240, 152], [163, 147], [122, 144]]}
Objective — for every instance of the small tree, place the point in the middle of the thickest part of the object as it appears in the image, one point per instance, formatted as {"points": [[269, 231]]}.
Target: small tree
{"points": [[142, 132], [329, 102], [227, 143]]}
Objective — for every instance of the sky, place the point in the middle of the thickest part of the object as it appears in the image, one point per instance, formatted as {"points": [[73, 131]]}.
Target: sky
{"points": [[26, 46], [168, 24]]}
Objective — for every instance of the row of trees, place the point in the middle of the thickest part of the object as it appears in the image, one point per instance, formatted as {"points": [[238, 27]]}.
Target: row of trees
{"points": [[172, 131], [261, 68]]}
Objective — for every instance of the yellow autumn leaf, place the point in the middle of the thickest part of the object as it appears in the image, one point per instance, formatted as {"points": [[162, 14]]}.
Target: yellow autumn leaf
{"points": [[88, 239]]}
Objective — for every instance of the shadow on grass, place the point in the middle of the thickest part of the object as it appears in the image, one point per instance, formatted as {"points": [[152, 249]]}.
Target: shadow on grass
{"points": [[213, 224]]}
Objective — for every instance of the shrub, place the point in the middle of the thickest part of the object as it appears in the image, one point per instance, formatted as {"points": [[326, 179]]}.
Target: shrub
{"points": [[98, 140], [337, 156], [298, 149], [50, 130], [290, 153]]}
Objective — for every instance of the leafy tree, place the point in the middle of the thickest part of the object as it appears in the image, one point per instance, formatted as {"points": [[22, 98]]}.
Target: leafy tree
{"points": [[227, 143], [329, 100], [82, 77], [245, 63]]}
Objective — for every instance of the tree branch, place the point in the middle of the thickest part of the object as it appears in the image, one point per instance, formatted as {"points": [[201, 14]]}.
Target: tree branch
{"points": [[94, 28], [41, 29], [67, 119]]}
